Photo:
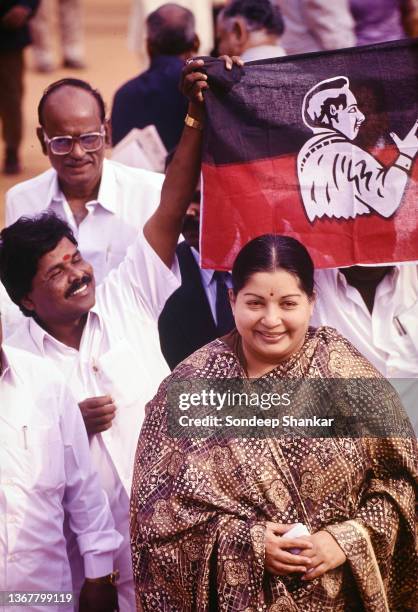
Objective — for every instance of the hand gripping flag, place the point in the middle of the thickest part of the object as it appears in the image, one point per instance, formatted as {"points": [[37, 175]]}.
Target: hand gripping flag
{"points": [[321, 147]]}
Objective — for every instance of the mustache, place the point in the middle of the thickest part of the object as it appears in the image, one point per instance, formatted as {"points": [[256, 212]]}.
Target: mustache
{"points": [[79, 162], [86, 279]]}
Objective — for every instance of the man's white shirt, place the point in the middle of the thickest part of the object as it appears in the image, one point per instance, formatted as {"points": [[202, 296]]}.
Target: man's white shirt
{"points": [[10, 313], [120, 356], [127, 198], [389, 336], [45, 468], [261, 52]]}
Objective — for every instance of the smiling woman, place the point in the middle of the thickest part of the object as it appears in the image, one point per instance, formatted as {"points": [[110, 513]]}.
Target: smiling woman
{"points": [[272, 300], [209, 516]]}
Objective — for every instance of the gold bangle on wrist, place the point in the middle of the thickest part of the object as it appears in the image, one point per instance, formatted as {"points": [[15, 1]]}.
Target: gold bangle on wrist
{"points": [[193, 123], [109, 579]]}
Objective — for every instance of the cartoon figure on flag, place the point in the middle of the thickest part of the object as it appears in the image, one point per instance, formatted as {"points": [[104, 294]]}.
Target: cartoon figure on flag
{"points": [[337, 178]]}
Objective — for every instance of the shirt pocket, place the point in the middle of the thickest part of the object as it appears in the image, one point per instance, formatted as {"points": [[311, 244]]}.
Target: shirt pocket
{"points": [[45, 451]]}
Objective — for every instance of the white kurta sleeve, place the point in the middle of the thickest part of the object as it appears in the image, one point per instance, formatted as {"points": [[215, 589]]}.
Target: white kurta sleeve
{"points": [[142, 280], [86, 503]]}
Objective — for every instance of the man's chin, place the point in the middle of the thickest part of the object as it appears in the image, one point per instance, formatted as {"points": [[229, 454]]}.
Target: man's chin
{"points": [[79, 174], [80, 306]]}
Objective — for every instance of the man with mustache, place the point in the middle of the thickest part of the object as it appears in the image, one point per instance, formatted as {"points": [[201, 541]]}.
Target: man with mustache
{"points": [[45, 470], [337, 178], [106, 341]]}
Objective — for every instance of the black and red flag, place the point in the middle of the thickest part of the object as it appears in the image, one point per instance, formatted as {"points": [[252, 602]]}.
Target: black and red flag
{"points": [[321, 147]]}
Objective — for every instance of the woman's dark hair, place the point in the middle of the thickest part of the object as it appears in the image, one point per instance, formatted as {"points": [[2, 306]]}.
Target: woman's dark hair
{"points": [[270, 252], [21, 247], [71, 82]]}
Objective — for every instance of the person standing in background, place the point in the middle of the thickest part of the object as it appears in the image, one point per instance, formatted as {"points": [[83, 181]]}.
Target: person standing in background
{"points": [[202, 10], [199, 311], [410, 17], [153, 97], [14, 37], [251, 29], [316, 25], [70, 34], [379, 21]]}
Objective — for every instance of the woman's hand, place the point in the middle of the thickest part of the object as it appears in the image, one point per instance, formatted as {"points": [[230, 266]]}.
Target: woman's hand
{"points": [[278, 560], [324, 555]]}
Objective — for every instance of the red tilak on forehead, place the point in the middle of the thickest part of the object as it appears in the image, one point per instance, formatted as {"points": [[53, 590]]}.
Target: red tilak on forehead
{"points": [[66, 257]]}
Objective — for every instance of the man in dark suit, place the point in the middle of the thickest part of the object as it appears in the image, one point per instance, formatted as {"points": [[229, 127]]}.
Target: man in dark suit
{"points": [[199, 311], [153, 97]]}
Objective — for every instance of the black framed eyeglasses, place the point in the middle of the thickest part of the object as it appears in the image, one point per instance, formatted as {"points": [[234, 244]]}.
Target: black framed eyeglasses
{"points": [[89, 142]]}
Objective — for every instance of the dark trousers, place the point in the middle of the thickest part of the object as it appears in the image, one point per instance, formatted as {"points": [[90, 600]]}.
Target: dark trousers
{"points": [[11, 95]]}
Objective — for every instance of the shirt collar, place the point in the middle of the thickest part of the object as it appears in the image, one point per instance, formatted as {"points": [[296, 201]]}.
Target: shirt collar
{"points": [[205, 273], [107, 196], [40, 337], [391, 278], [261, 52], [55, 194], [5, 363]]}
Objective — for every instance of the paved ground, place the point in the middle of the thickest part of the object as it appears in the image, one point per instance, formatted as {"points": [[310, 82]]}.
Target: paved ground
{"points": [[110, 63]]}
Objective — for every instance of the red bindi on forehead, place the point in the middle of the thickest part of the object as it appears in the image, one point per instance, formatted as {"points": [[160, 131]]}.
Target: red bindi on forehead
{"points": [[66, 257]]}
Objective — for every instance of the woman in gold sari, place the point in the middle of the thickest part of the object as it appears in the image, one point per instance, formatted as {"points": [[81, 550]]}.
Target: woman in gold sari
{"points": [[208, 514]]}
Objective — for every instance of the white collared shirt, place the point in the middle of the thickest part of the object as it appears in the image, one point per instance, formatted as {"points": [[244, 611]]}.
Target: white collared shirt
{"points": [[209, 283], [261, 52], [388, 337], [119, 353], [45, 468], [10, 313], [127, 198]]}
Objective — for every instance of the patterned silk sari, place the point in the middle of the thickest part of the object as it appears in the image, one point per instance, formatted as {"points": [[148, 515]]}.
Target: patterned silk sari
{"points": [[199, 506]]}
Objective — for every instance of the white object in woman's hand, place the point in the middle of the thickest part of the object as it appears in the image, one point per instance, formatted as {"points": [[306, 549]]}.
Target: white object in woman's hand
{"points": [[325, 555], [278, 558]]}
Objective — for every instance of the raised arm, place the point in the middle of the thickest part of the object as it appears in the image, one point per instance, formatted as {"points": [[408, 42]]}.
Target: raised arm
{"points": [[162, 230]]}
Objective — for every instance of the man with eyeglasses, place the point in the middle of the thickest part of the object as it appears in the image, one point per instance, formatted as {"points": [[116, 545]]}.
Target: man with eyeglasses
{"points": [[105, 203]]}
